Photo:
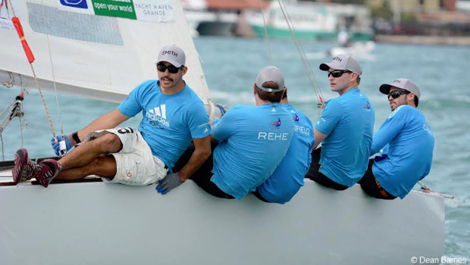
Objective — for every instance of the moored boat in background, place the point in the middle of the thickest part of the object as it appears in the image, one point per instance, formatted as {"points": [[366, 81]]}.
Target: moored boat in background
{"points": [[320, 21]]}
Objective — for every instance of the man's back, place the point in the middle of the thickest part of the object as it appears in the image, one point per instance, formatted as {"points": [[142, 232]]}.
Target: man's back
{"points": [[348, 121], [410, 151], [253, 141], [288, 177]]}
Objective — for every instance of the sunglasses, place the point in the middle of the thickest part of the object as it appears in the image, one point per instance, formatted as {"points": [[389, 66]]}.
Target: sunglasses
{"points": [[171, 68], [338, 73], [396, 93]]}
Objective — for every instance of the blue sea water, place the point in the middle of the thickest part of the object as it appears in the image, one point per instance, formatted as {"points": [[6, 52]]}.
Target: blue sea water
{"points": [[231, 65]]}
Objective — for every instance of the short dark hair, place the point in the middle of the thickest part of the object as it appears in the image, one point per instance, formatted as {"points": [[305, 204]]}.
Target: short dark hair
{"points": [[274, 97], [358, 79], [416, 101]]}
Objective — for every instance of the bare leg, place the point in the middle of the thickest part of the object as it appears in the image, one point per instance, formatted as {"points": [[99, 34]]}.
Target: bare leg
{"points": [[103, 166], [86, 153]]}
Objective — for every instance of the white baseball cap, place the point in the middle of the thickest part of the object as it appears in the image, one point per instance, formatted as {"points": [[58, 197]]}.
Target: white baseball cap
{"points": [[402, 83], [172, 54], [270, 74], [342, 62]]}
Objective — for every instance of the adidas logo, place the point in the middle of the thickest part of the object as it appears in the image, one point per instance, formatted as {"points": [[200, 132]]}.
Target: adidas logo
{"points": [[158, 114], [159, 111]]}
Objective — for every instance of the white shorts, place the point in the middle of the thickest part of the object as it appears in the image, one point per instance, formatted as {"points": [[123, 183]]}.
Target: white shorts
{"points": [[135, 163]]}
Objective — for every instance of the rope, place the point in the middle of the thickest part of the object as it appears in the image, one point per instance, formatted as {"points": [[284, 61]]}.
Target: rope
{"points": [[301, 52], [31, 60], [43, 101], [10, 83], [4, 111], [16, 110]]}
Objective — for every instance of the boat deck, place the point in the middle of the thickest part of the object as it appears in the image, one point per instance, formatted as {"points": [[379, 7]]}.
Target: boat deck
{"points": [[99, 223]]}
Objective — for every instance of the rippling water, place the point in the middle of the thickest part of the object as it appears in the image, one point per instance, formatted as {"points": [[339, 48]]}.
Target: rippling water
{"points": [[231, 66]]}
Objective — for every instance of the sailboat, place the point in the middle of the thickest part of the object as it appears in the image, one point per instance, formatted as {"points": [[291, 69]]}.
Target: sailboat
{"points": [[103, 55]]}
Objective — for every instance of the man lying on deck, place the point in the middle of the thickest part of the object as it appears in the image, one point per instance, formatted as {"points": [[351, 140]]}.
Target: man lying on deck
{"points": [[252, 142], [408, 142], [345, 128], [173, 115]]}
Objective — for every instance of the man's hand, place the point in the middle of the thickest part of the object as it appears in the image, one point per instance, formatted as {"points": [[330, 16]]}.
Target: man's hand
{"points": [[55, 142], [168, 183]]}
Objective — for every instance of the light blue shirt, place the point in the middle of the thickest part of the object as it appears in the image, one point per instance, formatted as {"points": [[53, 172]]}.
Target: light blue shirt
{"points": [[348, 122], [410, 143], [288, 177], [253, 141], [169, 122]]}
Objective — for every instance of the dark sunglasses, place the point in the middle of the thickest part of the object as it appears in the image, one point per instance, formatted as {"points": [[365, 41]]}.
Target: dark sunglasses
{"points": [[171, 68], [338, 73], [396, 93]]}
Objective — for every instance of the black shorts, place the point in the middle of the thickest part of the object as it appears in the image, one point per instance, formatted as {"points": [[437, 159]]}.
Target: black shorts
{"points": [[315, 175], [203, 175], [259, 196], [371, 186]]}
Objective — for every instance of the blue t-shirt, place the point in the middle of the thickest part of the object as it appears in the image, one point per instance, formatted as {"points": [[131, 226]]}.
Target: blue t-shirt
{"points": [[288, 177], [169, 122], [348, 122], [252, 143], [410, 144]]}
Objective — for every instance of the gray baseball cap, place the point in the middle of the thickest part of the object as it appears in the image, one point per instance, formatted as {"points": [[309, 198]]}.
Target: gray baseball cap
{"points": [[172, 54], [273, 74], [402, 83], [343, 62]]}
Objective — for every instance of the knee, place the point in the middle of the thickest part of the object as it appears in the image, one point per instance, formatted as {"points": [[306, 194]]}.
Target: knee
{"points": [[99, 166], [109, 143]]}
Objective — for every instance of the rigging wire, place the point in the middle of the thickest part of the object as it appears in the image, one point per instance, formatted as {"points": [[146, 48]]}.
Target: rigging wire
{"points": [[52, 71], [426, 189], [266, 36], [30, 56], [15, 110], [299, 48], [301, 52]]}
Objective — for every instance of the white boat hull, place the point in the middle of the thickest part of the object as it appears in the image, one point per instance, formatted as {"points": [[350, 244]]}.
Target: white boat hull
{"points": [[98, 223], [357, 49]]}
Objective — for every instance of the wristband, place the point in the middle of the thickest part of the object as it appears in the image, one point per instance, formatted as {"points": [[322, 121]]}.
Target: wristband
{"points": [[75, 138]]}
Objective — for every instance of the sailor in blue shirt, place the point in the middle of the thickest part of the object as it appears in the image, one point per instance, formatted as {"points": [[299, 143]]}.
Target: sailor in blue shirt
{"points": [[344, 128], [252, 141], [409, 142], [288, 177], [173, 116]]}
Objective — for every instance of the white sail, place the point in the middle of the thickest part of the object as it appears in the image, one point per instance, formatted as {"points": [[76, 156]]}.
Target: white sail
{"points": [[102, 57]]}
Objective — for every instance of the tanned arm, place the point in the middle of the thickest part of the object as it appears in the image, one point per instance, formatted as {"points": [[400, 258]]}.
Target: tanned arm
{"points": [[201, 152], [107, 121], [319, 137]]}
